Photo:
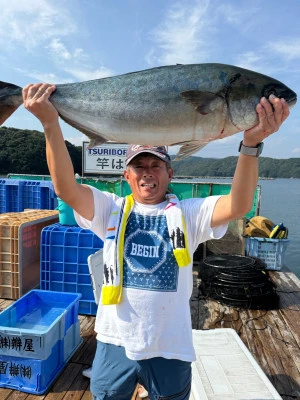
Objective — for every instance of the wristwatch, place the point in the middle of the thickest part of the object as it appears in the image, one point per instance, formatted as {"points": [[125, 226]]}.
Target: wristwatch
{"points": [[251, 151]]}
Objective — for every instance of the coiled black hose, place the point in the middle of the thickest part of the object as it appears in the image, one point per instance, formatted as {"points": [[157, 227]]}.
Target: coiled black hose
{"points": [[237, 281]]}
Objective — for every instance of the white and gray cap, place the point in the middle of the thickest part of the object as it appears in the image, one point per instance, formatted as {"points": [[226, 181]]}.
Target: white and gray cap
{"points": [[135, 149]]}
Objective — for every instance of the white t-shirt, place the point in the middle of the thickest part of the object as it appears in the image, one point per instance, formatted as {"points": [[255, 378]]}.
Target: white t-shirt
{"points": [[153, 318]]}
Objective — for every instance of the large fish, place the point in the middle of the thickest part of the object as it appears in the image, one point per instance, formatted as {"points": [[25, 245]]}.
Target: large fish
{"points": [[187, 105]]}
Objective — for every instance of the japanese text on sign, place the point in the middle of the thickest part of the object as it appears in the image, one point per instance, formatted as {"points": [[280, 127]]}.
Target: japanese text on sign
{"points": [[105, 159], [16, 343], [15, 369]]}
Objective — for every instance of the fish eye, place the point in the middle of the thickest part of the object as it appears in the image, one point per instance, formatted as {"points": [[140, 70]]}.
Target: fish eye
{"points": [[275, 89], [270, 90]]}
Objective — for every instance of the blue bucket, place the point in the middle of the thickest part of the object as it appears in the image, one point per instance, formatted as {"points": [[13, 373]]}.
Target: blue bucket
{"points": [[66, 213]]}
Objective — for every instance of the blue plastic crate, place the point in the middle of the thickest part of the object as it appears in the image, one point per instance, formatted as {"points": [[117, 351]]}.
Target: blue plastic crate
{"points": [[34, 375], [10, 195], [271, 251], [32, 325], [64, 266], [17, 195], [38, 195]]}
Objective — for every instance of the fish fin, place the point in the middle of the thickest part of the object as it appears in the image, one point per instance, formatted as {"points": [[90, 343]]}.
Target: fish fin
{"points": [[95, 139], [204, 102], [10, 100], [5, 112], [188, 149]]}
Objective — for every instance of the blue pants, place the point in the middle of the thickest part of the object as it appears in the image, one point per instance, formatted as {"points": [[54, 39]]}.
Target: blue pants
{"points": [[114, 376]]}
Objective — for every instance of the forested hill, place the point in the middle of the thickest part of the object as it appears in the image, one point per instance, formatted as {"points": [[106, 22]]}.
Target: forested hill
{"points": [[23, 152], [224, 167]]}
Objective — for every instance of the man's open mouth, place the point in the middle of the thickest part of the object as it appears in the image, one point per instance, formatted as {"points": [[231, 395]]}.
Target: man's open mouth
{"points": [[150, 185]]}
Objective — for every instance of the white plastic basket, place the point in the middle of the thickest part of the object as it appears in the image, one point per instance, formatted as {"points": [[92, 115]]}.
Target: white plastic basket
{"points": [[271, 251]]}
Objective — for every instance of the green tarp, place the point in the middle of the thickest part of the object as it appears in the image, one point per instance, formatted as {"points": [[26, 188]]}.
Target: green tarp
{"points": [[183, 189]]}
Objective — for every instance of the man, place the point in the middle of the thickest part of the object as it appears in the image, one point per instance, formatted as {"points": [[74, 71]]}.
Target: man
{"points": [[143, 322]]}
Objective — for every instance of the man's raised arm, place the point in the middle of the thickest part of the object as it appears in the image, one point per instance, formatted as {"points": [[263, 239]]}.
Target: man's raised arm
{"points": [[79, 197], [271, 115]]}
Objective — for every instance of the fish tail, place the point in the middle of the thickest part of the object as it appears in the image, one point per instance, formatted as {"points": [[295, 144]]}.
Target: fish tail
{"points": [[10, 100]]}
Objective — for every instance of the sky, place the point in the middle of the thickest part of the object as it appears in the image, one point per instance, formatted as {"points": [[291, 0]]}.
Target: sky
{"points": [[62, 41]]}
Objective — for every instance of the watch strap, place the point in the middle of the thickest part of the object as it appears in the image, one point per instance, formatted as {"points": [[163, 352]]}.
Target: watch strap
{"points": [[251, 151]]}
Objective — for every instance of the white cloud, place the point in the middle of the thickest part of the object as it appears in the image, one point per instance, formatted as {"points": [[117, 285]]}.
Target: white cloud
{"points": [[296, 150], [287, 48], [28, 23], [46, 28], [79, 74], [180, 38], [42, 76], [59, 50], [250, 60], [236, 15], [88, 74]]}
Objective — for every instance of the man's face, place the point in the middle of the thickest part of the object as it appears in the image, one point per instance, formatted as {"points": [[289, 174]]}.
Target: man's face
{"points": [[148, 178]]}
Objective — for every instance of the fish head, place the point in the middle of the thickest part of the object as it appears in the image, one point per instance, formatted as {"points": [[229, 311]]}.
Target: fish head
{"points": [[245, 92], [281, 91]]}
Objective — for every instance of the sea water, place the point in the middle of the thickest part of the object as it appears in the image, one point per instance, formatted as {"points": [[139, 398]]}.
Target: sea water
{"points": [[280, 202]]}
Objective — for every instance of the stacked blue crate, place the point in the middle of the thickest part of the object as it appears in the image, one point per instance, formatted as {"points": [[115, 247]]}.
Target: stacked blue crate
{"points": [[38, 335], [16, 195], [38, 195], [10, 195], [64, 266]]}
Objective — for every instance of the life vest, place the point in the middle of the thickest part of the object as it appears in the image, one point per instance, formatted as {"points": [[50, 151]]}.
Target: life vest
{"points": [[260, 226]]}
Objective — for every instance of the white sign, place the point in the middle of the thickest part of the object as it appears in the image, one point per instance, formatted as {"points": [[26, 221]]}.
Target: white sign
{"points": [[109, 158]]}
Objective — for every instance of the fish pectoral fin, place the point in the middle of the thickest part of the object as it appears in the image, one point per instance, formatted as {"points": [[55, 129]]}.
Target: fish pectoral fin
{"points": [[96, 141], [95, 138], [10, 100], [6, 111], [188, 149], [204, 102]]}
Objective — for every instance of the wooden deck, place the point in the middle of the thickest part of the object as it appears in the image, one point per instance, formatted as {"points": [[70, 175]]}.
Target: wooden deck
{"points": [[273, 338]]}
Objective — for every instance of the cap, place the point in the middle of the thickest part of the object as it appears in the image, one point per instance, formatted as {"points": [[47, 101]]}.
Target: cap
{"points": [[135, 149]]}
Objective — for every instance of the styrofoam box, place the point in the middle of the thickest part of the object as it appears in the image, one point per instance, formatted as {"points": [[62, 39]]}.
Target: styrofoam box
{"points": [[95, 264], [32, 325], [225, 369]]}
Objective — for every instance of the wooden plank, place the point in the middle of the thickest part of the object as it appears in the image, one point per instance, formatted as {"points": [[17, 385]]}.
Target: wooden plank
{"points": [[287, 337], [71, 373], [35, 397], [288, 288], [16, 395], [87, 323], [264, 330], [77, 388], [86, 353], [5, 393], [271, 336]]}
